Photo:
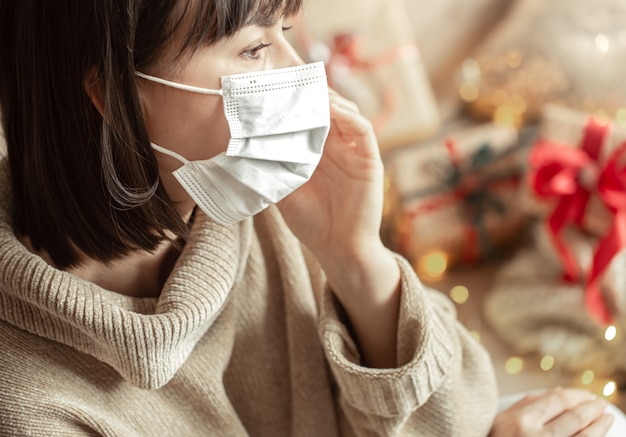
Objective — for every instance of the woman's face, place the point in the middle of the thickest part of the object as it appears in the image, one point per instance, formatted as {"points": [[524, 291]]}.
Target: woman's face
{"points": [[194, 125]]}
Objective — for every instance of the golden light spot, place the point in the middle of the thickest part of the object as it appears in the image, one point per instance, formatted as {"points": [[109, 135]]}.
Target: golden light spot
{"points": [[459, 294], [588, 377], [470, 69], [505, 116], [610, 333], [514, 365], [475, 334], [433, 264], [609, 388], [468, 92], [547, 363]]}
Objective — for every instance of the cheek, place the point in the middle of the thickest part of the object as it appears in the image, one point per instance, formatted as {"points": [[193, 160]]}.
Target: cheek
{"points": [[203, 131], [193, 126]]}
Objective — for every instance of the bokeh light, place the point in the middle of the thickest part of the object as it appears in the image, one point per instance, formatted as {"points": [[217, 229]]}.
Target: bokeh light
{"points": [[514, 365], [459, 294], [433, 264], [588, 377], [547, 363]]}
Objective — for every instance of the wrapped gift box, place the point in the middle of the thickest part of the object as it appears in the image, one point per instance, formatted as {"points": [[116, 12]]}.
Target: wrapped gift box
{"points": [[612, 283], [577, 180], [535, 312], [371, 59], [565, 126], [457, 196]]}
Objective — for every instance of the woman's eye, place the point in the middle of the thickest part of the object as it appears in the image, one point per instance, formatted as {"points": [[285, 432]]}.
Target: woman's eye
{"points": [[253, 53], [286, 28]]}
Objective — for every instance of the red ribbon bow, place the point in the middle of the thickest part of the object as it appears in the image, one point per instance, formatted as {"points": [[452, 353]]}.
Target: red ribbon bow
{"points": [[612, 191], [557, 171], [571, 176]]}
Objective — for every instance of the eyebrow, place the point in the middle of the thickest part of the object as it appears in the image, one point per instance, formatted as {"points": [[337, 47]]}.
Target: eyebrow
{"points": [[264, 20]]}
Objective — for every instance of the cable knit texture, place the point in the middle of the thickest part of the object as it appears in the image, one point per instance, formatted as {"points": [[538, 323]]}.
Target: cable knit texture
{"points": [[245, 339]]}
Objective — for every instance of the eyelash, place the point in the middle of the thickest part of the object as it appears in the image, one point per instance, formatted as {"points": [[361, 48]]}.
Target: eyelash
{"points": [[253, 53]]}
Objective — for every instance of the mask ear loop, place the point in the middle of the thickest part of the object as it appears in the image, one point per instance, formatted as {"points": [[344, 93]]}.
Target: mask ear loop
{"points": [[167, 152], [180, 86]]}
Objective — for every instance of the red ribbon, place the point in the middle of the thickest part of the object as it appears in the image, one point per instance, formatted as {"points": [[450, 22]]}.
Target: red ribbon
{"points": [[612, 191], [557, 171], [571, 175]]}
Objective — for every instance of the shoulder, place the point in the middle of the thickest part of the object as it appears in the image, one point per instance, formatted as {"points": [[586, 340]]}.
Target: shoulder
{"points": [[40, 378]]}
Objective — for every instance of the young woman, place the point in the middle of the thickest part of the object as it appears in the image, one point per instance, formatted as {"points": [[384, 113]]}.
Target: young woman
{"points": [[147, 288]]}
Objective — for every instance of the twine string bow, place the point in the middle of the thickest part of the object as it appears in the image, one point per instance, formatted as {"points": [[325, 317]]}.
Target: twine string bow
{"points": [[466, 180]]}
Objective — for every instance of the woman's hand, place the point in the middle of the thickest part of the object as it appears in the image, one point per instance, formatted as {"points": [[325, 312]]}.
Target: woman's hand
{"points": [[338, 211], [559, 412], [337, 215]]}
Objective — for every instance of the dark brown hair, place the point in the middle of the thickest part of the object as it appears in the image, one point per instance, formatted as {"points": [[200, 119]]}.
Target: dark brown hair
{"points": [[79, 182]]}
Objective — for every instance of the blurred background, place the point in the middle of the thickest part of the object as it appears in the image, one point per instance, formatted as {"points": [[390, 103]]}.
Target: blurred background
{"points": [[502, 126]]}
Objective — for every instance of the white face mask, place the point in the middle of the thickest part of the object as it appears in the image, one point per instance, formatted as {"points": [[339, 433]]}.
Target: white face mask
{"points": [[279, 120]]}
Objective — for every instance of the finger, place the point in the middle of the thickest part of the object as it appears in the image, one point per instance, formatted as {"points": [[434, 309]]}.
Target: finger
{"points": [[358, 128], [337, 99], [578, 418], [599, 428], [551, 403]]}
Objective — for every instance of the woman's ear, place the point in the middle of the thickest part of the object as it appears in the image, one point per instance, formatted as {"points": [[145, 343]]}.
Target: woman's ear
{"points": [[93, 88]]}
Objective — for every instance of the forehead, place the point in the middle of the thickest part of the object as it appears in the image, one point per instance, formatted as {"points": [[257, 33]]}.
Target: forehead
{"points": [[212, 20], [194, 24]]}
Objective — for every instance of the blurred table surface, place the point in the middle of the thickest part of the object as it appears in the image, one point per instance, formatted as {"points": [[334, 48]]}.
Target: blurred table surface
{"points": [[478, 280]]}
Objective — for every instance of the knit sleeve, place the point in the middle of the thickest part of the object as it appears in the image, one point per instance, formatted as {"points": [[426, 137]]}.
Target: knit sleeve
{"points": [[444, 384]]}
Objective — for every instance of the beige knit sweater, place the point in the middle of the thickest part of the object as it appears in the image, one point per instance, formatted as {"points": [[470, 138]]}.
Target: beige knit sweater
{"points": [[235, 345]]}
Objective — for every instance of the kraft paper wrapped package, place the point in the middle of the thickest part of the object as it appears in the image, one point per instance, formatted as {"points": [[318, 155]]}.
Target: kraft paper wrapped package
{"points": [[566, 127], [570, 52], [558, 296], [457, 195], [582, 246], [577, 180], [371, 59], [535, 311]]}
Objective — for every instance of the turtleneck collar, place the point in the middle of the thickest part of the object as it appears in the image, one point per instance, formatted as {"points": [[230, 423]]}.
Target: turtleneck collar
{"points": [[145, 339]]}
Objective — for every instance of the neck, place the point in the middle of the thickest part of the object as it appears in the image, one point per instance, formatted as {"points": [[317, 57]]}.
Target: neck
{"points": [[138, 274]]}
